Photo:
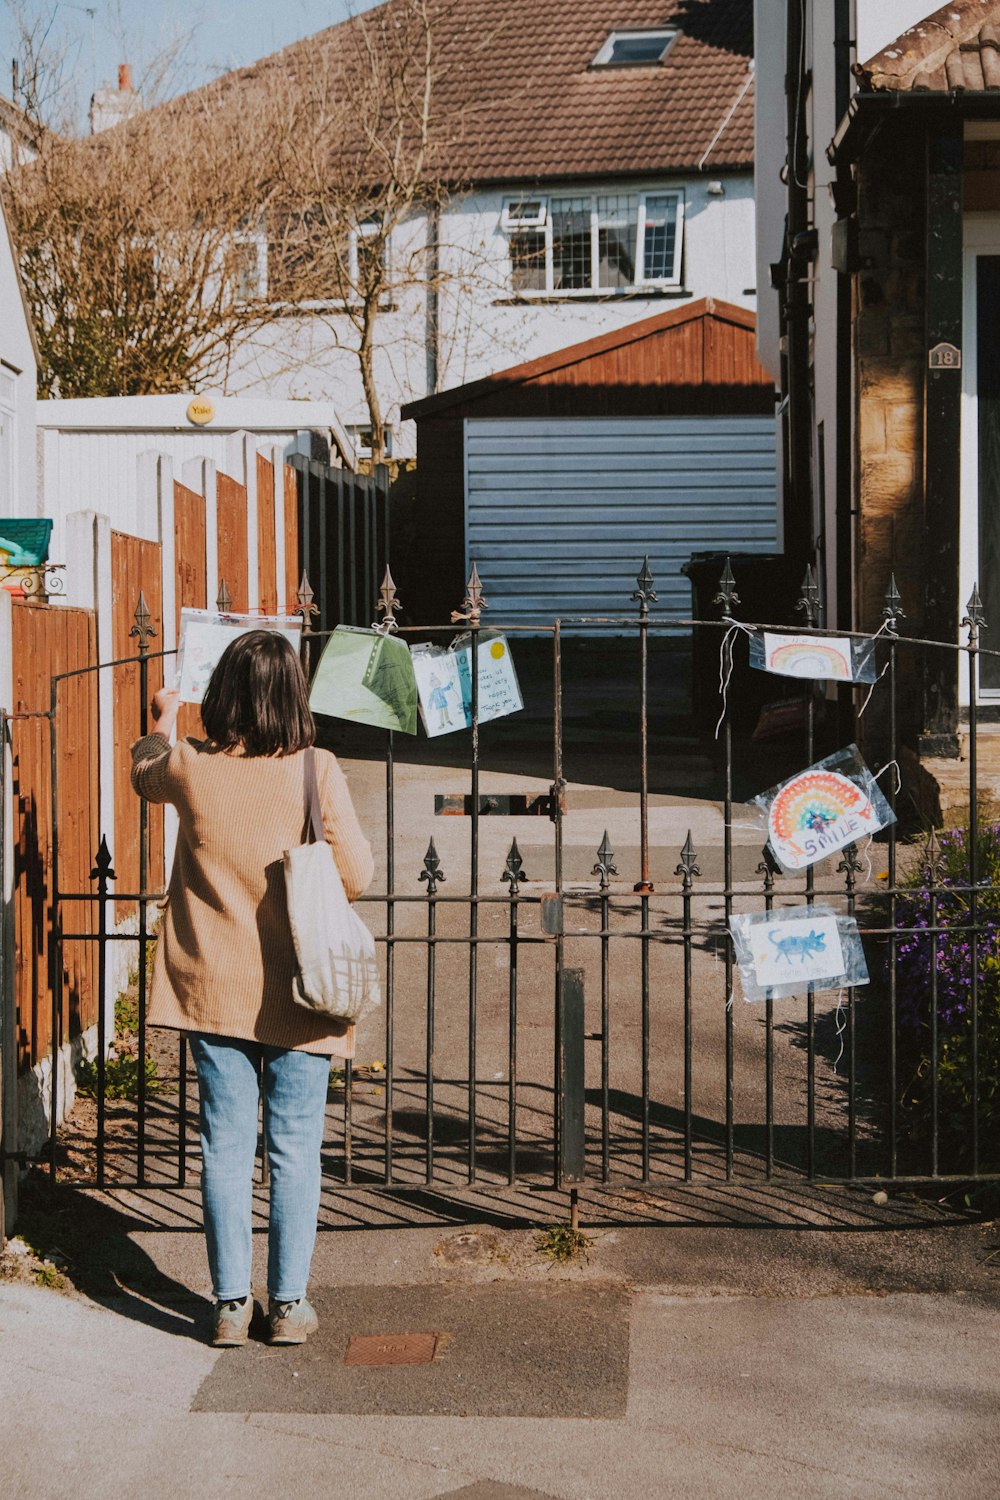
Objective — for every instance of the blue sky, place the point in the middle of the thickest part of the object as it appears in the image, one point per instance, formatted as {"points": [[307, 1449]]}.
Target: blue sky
{"points": [[223, 35]]}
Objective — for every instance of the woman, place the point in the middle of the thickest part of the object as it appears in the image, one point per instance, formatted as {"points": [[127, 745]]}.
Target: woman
{"points": [[225, 962]]}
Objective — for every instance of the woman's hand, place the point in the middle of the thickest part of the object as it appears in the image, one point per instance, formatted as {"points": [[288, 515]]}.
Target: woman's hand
{"points": [[165, 705]]}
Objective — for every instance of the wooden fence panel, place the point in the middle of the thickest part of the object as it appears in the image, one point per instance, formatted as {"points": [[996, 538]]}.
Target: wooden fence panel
{"points": [[135, 567], [232, 521], [293, 560], [192, 578], [267, 557], [46, 642]]}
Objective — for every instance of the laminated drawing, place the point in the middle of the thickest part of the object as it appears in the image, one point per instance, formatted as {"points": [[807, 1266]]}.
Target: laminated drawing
{"points": [[832, 804], [366, 677], [206, 634], [784, 952]]}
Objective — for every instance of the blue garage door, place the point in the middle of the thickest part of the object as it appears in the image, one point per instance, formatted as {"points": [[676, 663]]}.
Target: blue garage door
{"points": [[560, 513]]}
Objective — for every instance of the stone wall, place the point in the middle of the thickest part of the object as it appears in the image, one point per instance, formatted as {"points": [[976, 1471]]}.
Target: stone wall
{"points": [[889, 345], [889, 365]]}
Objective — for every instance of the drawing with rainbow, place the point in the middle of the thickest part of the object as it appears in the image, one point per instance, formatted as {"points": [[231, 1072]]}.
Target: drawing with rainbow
{"points": [[815, 814]]}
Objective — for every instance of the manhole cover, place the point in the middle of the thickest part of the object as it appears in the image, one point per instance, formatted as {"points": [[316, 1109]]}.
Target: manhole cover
{"points": [[391, 1348]]}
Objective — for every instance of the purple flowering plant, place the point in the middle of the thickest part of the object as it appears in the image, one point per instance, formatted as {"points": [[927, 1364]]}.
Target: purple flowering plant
{"points": [[938, 894]]}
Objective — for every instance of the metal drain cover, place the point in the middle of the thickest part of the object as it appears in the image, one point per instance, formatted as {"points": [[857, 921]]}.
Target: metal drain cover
{"points": [[391, 1348]]}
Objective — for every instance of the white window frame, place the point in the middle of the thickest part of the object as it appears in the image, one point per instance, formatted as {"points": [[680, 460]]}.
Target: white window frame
{"points": [[981, 237], [511, 221], [603, 58], [515, 226], [367, 229], [258, 239]]}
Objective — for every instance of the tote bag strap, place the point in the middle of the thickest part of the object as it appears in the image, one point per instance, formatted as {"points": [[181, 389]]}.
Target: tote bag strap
{"points": [[315, 833]]}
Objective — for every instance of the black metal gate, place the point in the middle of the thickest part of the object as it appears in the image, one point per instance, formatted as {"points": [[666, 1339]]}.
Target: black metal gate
{"points": [[579, 1023]]}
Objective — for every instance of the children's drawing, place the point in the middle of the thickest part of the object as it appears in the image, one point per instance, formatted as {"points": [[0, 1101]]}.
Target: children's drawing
{"points": [[368, 678], [832, 804], [821, 658], [499, 692], [444, 683], [204, 637], [781, 953], [439, 689]]}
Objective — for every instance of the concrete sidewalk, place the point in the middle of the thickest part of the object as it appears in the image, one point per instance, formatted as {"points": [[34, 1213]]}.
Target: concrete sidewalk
{"points": [[703, 1363]]}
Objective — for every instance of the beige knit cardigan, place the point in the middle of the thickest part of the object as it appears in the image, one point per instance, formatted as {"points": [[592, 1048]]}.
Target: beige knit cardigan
{"points": [[225, 961]]}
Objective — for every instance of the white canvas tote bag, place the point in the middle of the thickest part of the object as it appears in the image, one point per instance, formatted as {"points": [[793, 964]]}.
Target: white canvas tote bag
{"points": [[337, 971]]}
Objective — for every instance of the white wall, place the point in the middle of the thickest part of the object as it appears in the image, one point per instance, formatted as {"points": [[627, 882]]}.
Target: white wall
{"points": [[483, 328], [89, 449], [17, 357]]}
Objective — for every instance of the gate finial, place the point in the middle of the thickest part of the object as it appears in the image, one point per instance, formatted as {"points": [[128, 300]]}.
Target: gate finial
{"points": [[512, 873], [224, 599], [688, 866], [892, 609], [605, 867], [388, 605], [645, 593], [305, 596], [809, 600], [142, 628], [768, 867], [432, 871], [474, 602], [727, 595], [102, 870], [975, 616]]}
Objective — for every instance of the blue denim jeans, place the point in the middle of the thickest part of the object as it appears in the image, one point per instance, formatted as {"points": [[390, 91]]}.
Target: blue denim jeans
{"points": [[232, 1074]]}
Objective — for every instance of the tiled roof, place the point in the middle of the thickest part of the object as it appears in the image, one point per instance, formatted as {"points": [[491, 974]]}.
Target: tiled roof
{"points": [[957, 47], [707, 310], [519, 99]]}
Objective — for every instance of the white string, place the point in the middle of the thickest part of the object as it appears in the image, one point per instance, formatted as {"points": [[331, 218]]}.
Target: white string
{"points": [[726, 666], [868, 695], [891, 765], [840, 1021], [732, 997]]}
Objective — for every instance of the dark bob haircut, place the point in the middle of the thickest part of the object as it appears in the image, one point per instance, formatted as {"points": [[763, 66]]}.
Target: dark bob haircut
{"points": [[257, 697]]}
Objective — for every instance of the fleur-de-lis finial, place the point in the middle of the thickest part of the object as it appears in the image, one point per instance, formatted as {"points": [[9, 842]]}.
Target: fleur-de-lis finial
{"points": [[850, 864], [809, 600], [432, 872], [605, 866], [688, 866], [102, 870], [932, 864], [388, 605], [224, 599], [727, 595], [975, 616], [645, 593], [142, 628], [474, 602], [768, 867], [512, 873], [892, 610], [306, 608]]}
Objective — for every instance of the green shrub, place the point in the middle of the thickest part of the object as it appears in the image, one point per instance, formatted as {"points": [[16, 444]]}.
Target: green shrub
{"points": [[121, 1078]]}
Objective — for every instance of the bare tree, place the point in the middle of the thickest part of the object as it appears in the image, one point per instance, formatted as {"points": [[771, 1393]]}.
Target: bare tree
{"points": [[308, 187]]}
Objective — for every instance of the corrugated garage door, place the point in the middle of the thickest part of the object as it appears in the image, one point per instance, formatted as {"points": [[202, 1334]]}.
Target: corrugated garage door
{"points": [[561, 512]]}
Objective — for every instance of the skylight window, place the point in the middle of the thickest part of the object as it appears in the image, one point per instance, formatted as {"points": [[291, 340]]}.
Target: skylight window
{"points": [[625, 49]]}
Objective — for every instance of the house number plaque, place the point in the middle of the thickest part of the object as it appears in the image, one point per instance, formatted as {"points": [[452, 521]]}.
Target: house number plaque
{"points": [[945, 357]]}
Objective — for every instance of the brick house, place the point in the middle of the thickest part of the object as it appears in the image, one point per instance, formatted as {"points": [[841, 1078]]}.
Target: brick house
{"points": [[885, 251], [598, 159]]}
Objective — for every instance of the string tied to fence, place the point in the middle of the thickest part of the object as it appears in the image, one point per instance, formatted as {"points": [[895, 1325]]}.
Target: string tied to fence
{"points": [[726, 666]]}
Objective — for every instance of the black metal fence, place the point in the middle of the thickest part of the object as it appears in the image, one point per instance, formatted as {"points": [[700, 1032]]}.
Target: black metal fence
{"points": [[586, 1026]]}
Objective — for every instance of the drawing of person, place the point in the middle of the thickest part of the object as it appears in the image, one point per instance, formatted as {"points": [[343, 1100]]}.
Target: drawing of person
{"points": [[438, 699]]}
